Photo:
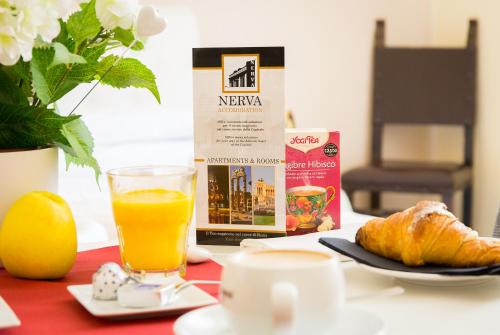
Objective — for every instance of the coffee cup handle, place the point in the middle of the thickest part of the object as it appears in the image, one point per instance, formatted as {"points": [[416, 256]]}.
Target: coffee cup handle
{"points": [[332, 196], [284, 299]]}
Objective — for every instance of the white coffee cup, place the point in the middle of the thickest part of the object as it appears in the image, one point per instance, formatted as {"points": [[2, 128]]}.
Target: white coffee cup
{"points": [[292, 292]]}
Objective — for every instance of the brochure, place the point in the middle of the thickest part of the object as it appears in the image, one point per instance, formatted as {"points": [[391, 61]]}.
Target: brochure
{"points": [[239, 139]]}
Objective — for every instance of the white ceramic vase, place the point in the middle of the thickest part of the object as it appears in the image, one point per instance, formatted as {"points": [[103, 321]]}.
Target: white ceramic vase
{"points": [[23, 171]]}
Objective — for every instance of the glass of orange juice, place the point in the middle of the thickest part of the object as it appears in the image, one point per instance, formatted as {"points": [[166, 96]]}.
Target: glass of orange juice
{"points": [[152, 207]]}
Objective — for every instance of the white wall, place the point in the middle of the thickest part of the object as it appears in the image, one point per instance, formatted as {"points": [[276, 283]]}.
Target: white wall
{"points": [[328, 53], [328, 62], [449, 26]]}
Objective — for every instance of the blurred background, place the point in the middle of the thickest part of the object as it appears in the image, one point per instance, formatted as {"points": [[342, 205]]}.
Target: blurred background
{"points": [[329, 47]]}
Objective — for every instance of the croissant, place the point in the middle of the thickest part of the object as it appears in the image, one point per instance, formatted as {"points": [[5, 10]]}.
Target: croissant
{"points": [[427, 234]]}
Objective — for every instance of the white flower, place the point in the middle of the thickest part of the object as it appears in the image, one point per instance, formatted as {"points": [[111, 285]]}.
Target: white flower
{"points": [[23, 21], [25, 45], [116, 13], [34, 19], [64, 8], [9, 47]]}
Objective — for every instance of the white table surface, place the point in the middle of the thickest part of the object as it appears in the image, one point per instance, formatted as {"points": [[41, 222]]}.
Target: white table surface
{"points": [[419, 310], [429, 310]]}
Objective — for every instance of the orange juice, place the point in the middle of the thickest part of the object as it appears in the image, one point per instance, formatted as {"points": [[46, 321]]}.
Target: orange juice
{"points": [[152, 227]]}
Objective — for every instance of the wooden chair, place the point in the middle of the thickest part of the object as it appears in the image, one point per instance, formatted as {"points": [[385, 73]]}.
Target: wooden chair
{"points": [[420, 86], [496, 230]]}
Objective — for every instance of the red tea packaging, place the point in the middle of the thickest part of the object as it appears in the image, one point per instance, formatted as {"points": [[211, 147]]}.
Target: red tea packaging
{"points": [[312, 180]]}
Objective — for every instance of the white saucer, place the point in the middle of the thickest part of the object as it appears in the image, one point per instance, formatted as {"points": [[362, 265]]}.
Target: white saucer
{"points": [[189, 298], [212, 321], [430, 279], [7, 317]]}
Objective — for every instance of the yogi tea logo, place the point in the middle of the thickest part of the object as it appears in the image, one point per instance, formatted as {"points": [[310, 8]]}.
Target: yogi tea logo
{"points": [[304, 140], [240, 73], [306, 143]]}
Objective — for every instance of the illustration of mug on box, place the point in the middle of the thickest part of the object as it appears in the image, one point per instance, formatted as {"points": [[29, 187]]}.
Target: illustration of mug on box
{"points": [[312, 181]]}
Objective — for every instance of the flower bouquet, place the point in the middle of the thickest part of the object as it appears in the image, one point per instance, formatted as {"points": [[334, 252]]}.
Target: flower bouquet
{"points": [[49, 47]]}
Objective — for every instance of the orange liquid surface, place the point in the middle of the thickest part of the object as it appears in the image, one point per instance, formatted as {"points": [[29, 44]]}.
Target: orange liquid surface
{"points": [[152, 227]]}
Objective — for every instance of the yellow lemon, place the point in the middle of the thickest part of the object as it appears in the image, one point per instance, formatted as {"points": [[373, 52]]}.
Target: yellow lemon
{"points": [[38, 239]]}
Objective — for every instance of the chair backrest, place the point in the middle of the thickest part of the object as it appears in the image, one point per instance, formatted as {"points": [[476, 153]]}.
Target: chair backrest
{"points": [[423, 86], [496, 230]]}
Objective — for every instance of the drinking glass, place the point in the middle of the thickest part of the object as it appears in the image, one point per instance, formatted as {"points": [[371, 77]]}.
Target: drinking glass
{"points": [[152, 208]]}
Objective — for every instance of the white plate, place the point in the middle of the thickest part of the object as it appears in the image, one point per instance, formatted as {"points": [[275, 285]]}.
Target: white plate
{"points": [[189, 298], [430, 279], [212, 321], [7, 317]]}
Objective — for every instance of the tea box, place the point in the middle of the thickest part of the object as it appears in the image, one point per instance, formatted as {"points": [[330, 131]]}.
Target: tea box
{"points": [[312, 180]]}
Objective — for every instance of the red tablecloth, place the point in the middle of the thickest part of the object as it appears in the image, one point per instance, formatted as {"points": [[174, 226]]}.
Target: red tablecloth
{"points": [[46, 307]]}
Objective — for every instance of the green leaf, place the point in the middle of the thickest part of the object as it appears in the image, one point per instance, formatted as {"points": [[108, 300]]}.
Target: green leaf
{"points": [[51, 83], [126, 37], [21, 69], [23, 126], [93, 54], [64, 56], [84, 24], [64, 37], [10, 92], [81, 146], [127, 72], [44, 79]]}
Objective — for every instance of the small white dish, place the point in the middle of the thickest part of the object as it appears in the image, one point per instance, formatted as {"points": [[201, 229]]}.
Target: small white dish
{"points": [[7, 316], [212, 320], [430, 279], [189, 298]]}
